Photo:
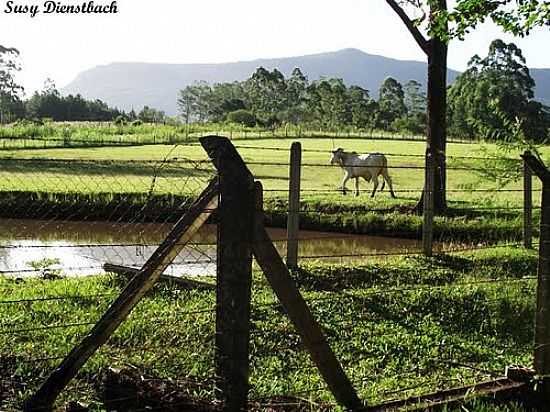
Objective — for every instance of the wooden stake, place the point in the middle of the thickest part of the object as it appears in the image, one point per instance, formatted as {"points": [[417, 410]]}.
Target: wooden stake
{"points": [[428, 207], [542, 317], [527, 206], [293, 222]]}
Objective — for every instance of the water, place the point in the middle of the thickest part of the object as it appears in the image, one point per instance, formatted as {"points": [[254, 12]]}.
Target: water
{"points": [[31, 247]]}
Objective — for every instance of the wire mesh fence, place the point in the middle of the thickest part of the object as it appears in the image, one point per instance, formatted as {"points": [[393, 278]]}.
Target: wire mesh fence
{"points": [[396, 342], [62, 221], [396, 335]]}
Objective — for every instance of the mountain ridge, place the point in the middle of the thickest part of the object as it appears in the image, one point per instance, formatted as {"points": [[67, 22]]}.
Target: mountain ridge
{"points": [[128, 85]]}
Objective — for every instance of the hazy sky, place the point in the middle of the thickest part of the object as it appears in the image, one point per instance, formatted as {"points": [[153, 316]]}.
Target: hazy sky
{"points": [[209, 31]]}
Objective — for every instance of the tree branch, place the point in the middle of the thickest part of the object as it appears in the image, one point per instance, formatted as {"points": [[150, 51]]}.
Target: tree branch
{"points": [[422, 42]]}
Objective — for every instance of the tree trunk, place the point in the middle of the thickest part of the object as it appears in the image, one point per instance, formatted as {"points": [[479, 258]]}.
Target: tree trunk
{"points": [[437, 122], [437, 119]]}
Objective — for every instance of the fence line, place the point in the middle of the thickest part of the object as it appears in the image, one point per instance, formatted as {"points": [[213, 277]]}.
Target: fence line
{"points": [[497, 291]]}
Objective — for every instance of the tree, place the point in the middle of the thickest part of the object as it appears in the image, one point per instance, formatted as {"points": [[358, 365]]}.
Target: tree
{"points": [[266, 94], [187, 104], [296, 91], [518, 20], [415, 98], [391, 104], [495, 88], [442, 25], [242, 117], [49, 103], [225, 98], [415, 101], [435, 47], [328, 103], [151, 115], [11, 106], [362, 108], [194, 100]]}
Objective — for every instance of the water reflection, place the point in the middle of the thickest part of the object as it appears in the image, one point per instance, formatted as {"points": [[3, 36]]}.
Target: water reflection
{"points": [[81, 248]]}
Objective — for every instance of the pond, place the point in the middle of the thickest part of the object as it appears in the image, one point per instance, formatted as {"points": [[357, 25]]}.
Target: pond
{"points": [[29, 247]]}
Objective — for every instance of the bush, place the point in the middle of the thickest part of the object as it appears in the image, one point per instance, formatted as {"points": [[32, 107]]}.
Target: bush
{"points": [[243, 117]]}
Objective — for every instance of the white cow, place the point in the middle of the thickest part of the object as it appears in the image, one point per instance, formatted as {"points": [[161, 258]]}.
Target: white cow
{"points": [[367, 166]]}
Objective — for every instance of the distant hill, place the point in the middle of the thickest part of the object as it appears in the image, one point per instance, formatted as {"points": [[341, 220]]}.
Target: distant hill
{"points": [[133, 85], [542, 80]]}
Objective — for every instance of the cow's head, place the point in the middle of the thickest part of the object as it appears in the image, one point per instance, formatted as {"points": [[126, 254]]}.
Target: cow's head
{"points": [[337, 157]]}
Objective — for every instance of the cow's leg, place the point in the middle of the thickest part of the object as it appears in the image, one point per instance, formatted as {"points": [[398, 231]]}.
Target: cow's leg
{"points": [[387, 178], [357, 186], [344, 181], [375, 181]]}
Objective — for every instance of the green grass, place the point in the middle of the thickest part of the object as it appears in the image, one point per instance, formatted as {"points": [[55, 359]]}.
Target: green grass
{"points": [[103, 172], [403, 327]]}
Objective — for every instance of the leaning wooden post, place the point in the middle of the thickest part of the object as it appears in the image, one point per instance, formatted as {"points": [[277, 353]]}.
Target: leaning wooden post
{"points": [[542, 317], [298, 312], [143, 281], [293, 222], [527, 205], [236, 211], [428, 207]]}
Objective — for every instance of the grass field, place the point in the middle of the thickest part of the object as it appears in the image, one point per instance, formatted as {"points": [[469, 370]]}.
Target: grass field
{"points": [[409, 326], [100, 172], [267, 165], [401, 326]]}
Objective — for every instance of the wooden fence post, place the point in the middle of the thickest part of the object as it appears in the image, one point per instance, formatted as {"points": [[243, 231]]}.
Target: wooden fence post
{"points": [[428, 207], [542, 317], [236, 212], [293, 220], [527, 205]]}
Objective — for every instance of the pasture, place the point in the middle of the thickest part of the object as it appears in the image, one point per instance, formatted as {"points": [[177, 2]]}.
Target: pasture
{"points": [[143, 172], [402, 326], [267, 158]]}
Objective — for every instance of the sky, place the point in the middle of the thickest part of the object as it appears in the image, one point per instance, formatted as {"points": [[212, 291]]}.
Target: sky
{"points": [[59, 46]]}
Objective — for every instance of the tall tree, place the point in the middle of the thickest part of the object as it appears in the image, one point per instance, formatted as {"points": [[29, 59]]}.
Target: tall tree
{"points": [[391, 103], [266, 93], [493, 89], [435, 47], [362, 107], [10, 92], [187, 104], [515, 16], [296, 86], [415, 98]]}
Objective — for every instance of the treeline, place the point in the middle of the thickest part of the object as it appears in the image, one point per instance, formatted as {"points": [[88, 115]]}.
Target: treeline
{"points": [[483, 102], [269, 99], [50, 104]]}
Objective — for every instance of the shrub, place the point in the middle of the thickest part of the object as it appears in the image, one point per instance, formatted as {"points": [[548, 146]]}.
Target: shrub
{"points": [[243, 117]]}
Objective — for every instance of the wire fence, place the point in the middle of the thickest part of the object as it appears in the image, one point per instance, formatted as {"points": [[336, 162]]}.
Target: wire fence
{"points": [[97, 134], [398, 342], [395, 336]]}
